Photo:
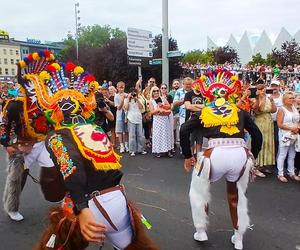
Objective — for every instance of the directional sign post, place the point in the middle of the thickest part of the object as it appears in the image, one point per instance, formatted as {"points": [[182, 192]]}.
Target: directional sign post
{"points": [[157, 61], [174, 53], [139, 47]]}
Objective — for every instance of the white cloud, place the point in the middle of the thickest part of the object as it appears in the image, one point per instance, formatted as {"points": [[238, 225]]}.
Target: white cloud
{"points": [[190, 21]]}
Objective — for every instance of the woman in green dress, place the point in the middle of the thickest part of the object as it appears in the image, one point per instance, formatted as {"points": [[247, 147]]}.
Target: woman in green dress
{"points": [[263, 108]]}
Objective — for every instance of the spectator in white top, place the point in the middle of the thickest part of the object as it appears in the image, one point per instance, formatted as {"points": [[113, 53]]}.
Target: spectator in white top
{"points": [[288, 124], [134, 107], [277, 97]]}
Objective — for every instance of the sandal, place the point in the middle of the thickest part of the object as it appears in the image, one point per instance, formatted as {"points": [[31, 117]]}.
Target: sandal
{"points": [[295, 178], [282, 179], [259, 174]]}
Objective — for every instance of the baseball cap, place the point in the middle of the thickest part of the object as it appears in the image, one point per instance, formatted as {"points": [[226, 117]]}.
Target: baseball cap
{"points": [[275, 82]]}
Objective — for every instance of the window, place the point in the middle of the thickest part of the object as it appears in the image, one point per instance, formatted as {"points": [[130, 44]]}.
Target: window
{"points": [[12, 61], [6, 71], [17, 60], [11, 52], [13, 72], [0, 71], [4, 51], [17, 52], [5, 60], [24, 51]]}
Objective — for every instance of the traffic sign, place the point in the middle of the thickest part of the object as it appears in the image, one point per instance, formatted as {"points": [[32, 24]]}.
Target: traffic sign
{"points": [[140, 53], [135, 44], [133, 33], [138, 61], [139, 45], [174, 53], [157, 61]]}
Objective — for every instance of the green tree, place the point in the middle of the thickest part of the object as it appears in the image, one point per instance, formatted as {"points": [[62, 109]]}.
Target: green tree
{"points": [[270, 60], [198, 56], [257, 59]]}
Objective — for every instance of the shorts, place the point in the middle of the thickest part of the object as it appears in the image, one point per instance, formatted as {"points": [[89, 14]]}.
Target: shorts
{"points": [[227, 161], [121, 127], [39, 155], [196, 137]]}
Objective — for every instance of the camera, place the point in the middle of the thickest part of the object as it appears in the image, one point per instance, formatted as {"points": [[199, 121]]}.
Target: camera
{"points": [[101, 104]]}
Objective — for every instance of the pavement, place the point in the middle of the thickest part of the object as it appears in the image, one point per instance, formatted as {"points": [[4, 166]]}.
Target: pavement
{"points": [[160, 188]]}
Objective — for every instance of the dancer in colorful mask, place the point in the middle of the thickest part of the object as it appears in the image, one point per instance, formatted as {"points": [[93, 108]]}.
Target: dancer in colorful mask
{"points": [[223, 124], [23, 131], [85, 157]]}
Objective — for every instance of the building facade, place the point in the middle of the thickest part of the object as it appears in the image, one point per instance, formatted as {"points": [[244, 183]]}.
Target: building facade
{"points": [[12, 51], [246, 48]]}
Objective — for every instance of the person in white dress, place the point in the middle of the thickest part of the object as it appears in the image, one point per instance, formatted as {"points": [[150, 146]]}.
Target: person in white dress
{"points": [[162, 131]]}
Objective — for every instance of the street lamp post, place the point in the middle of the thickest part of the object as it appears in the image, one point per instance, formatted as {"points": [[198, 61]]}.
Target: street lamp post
{"points": [[165, 43], [77, 26]]}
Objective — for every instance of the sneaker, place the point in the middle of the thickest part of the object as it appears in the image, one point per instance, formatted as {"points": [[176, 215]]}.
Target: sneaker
{"points": [[122, 150], [132, 154], [16, 216], [143, 152], [237, 240], [200, 235], [126, 149]]}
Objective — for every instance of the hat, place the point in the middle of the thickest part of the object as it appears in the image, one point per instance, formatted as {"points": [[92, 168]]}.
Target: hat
{"points": [[275, 82]]}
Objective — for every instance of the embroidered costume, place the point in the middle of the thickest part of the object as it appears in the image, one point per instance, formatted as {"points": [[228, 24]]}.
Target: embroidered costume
{"points": [[24, 128], [223, 124], [81, 150]]}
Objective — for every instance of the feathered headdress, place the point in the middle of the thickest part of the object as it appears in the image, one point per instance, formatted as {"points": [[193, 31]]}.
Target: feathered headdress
{"points": [[220, 89], [63, 90]]}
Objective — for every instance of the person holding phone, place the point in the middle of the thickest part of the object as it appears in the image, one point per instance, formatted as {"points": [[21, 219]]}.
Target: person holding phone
{"points": [[134, 107], [263, 108]]}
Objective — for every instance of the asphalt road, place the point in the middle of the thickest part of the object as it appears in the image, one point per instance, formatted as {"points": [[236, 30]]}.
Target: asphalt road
{"points": [[160, 187]]}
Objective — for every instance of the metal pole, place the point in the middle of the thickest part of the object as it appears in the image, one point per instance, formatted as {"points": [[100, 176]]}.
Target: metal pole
{"points": [[76, 34], [139, 72], [165, 43]]}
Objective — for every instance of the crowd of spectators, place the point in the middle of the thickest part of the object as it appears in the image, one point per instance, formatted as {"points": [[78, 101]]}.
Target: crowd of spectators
{"points": [[147, 117], [288, 75]]}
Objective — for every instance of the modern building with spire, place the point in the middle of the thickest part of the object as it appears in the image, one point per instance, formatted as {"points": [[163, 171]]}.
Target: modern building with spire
{"points": [[246, 47]]}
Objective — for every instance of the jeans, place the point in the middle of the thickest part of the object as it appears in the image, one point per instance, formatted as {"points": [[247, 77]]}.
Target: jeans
{"points": [[283, 151], [136, 138]]}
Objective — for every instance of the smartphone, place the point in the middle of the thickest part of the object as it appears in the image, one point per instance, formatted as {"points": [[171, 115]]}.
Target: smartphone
{"points": [[269, 91], [253, 92]]}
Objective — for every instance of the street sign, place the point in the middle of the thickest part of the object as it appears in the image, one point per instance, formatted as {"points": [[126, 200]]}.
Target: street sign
{"points": [[133, 33], [174, 53], [140, 53], [134, 61], [135, 44], [157, 61]]}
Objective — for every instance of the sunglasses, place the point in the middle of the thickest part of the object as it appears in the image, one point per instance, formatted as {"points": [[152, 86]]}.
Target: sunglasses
{"points": [[152, 81], [155, 90], [163, 88]]}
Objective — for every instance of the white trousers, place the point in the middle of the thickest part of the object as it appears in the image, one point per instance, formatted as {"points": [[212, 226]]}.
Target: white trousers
{"points": [[282, 153], [116, 206], [39, 155]]}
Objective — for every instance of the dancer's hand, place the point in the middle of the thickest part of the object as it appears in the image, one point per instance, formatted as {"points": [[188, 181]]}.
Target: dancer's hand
{"points": [[189, 163], [11, 150], [90, 229]]}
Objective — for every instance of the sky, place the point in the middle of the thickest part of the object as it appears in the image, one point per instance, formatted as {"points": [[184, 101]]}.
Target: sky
{"points": [[190, 21]]}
